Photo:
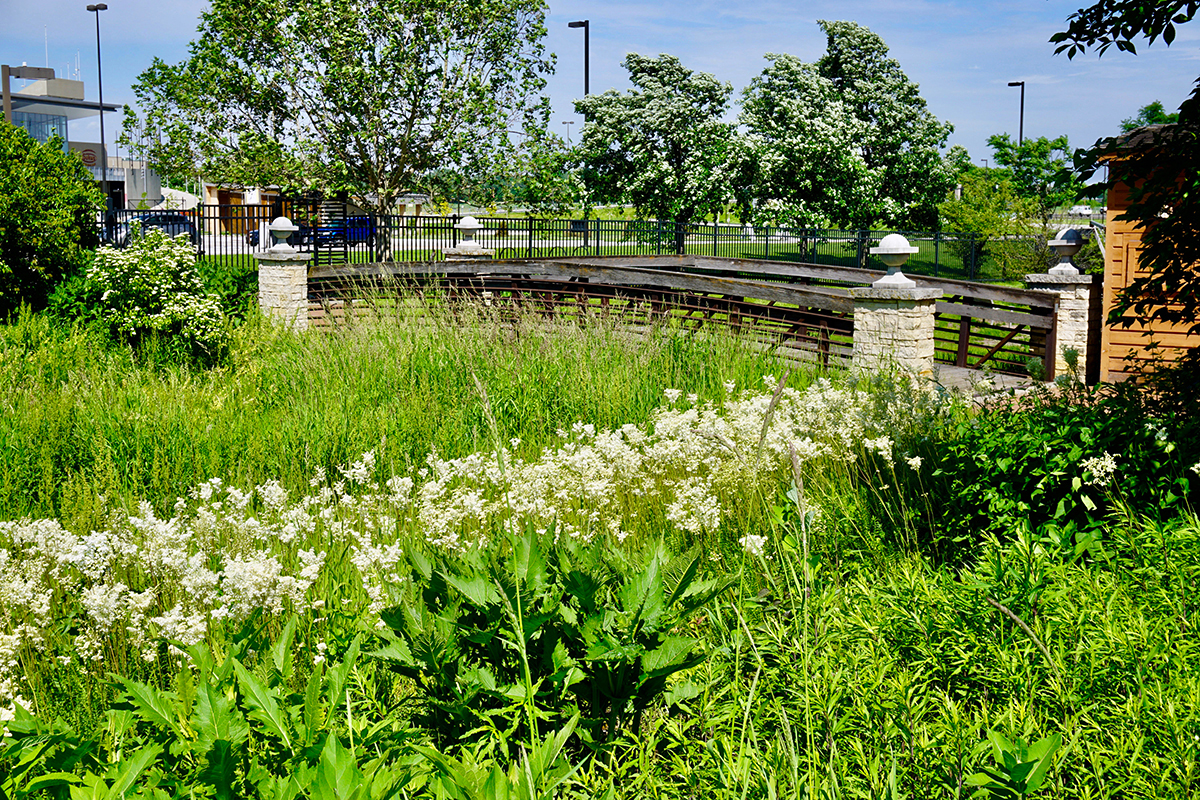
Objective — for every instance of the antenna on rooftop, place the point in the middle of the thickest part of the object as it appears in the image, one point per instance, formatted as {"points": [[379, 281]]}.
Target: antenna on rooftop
{"points": [[46, 34]]}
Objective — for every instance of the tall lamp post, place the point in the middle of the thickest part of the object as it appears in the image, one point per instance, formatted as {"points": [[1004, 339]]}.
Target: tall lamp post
{"points": [[1020, 130], [568, 122], [583, 23], [97, 8]]}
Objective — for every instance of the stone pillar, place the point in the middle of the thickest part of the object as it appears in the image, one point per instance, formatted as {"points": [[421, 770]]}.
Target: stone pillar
{"points": [[283, 287], [1072, 304], [894, 326]]}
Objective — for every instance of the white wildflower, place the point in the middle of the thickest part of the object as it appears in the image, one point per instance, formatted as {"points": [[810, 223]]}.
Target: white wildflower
{"points": [[672, 395], [914, 462], [753, 544], [1103, 468]]}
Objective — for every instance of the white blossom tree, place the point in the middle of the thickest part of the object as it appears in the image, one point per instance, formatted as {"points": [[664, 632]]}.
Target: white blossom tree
{"points": [[847, 141], [662, 146]]}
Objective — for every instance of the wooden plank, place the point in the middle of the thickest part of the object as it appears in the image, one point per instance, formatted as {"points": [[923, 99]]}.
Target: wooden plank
{"points": [[829, 299], [994, 315], [997, 346], [964, 341]]}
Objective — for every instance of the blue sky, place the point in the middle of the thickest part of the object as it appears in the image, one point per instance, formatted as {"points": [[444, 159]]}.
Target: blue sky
{"points": [[963, 54]]}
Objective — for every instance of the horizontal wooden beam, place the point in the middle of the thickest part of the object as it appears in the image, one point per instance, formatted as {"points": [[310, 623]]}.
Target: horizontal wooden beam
{"points": [[995, 315]]}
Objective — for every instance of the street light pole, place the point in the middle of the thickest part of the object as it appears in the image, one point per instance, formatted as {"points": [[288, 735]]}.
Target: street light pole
{"points": [[583, 23], [1021, 130], [97, 8], [568, 122]]}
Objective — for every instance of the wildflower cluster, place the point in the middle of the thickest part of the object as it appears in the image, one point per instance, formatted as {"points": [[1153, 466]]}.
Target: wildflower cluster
{"points": [[224, 553], [153, 287]]}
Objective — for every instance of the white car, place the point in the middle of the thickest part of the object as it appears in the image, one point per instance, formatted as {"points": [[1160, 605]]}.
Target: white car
{"points": [[1080, 211]]}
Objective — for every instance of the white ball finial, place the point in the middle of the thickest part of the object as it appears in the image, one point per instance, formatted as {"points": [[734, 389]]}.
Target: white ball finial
{"points": [[893, 251], [281, 228]]}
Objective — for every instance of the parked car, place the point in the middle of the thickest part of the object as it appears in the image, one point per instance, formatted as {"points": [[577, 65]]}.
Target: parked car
{"points": [[1080, 211], [172, 223], [351, 230]]}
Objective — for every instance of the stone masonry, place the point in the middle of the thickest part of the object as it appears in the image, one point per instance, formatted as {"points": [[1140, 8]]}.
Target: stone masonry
{"points": [[283, 287], [894, 326], [1073, 300]]}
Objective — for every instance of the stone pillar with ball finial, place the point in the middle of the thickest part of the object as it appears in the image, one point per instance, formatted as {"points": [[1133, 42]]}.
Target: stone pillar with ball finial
{"points": [[283, 278], [893, 318]]}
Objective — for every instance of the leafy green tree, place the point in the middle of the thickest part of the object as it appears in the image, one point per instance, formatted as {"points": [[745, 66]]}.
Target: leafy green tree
{"points": [[359, 95], [1161, 166], [846, 141], [1150, 114], [48, 202], [1000, 219], [1040, 170], [662, 146]]}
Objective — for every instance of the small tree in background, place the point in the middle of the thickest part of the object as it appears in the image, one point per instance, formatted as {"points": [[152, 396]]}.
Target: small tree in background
{"points": [[1150, 114], [1040, 169], [1001, 220], [48, 202]]}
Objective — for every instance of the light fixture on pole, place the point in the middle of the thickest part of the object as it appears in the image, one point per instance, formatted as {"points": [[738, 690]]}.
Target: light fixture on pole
{"points": [[583, 23], [1021, 129], [97, 8], [568, 122]]}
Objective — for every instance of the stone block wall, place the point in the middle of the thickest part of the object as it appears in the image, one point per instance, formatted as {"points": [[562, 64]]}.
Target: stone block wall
{"points": [[1073, 302], [283, 287], [894, 327]]}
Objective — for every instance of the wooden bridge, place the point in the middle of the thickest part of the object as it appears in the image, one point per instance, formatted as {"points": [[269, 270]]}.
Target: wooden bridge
{"points": [[806, 308]]}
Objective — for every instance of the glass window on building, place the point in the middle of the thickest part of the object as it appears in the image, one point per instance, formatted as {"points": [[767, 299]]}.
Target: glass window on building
{"points": [[42, 126]]}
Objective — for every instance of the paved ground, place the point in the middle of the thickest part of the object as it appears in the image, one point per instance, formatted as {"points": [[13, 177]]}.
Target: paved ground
{"points": [[979, 384]]}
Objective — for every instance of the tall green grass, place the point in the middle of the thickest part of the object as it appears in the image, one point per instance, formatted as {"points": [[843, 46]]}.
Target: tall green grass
{"points": [[83, 417]]}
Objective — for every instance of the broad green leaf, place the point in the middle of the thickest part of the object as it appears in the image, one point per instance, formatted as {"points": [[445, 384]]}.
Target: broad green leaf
{"points": [[152, 705], [263, 706], [129, 770], [281, 651]]}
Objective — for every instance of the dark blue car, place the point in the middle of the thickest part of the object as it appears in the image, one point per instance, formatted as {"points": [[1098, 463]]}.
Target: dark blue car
{"points": [[351, 230]]}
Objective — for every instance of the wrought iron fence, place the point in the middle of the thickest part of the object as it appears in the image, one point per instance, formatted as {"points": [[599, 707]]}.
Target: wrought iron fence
{"points": [[227, 236]]}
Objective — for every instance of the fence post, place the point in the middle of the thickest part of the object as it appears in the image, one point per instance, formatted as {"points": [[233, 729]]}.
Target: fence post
{"points": [[283, 280], [1072, 294], [937, 251], [454, 230], [529, 235], [766, 242], [658, 238], [974, 256], [894, 326]]}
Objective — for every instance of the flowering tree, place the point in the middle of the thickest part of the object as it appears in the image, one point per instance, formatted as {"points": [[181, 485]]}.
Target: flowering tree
{"points": [[845, 141], [361, 95], [661, 146]]}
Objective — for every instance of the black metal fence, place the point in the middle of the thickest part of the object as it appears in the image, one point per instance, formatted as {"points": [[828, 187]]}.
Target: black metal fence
{"points": [[227, 236]]}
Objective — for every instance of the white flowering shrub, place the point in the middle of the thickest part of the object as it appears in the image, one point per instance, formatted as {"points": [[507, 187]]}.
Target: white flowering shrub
{"points": [[152, 287]]}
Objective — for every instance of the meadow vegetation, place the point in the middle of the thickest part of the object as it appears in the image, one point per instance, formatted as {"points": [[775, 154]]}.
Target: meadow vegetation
{"points": [[464, 556]]}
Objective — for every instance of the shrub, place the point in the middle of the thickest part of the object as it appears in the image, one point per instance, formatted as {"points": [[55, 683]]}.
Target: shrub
{"points": [[48, 202], [153, 290], [1058, 463]]}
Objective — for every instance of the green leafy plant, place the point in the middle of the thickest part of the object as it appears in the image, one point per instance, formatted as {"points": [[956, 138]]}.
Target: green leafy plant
{"points": [[48, 203], [1020, 768], [152, 289], [520, 635]]}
